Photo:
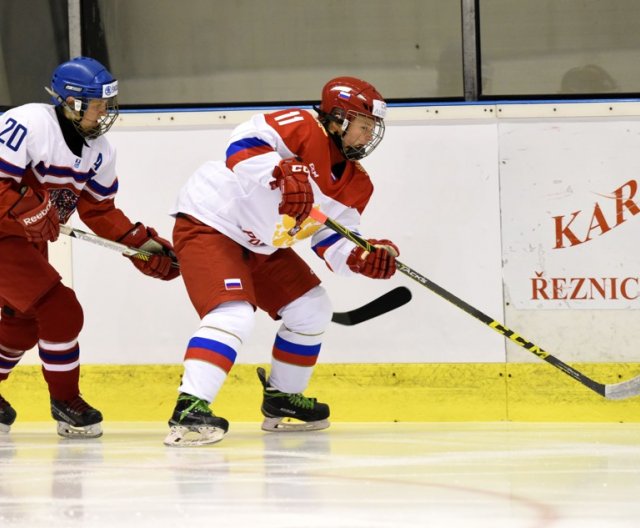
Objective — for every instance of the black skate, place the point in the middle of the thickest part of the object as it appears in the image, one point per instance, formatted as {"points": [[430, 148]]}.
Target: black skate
{"points": [[7, 415], [192, 415], [307, 414], [76, 418]]}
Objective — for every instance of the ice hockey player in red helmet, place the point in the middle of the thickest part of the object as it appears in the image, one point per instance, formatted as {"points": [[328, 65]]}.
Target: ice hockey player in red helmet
{"points": [[236, 222]]}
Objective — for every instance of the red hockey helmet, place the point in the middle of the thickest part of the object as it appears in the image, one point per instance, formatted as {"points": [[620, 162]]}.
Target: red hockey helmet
{"points": [[344, 98]]}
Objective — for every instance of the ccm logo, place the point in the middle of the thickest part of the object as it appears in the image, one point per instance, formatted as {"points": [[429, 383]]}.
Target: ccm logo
{"points": [[37, 217], [300, 168], [306, 169]]}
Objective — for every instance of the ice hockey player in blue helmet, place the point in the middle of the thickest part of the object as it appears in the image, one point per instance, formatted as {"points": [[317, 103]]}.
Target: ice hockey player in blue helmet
{"points": [[54, 160]]}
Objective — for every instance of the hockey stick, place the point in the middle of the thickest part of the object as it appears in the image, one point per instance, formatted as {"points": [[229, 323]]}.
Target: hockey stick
{"points": [[385, 303], [615, 391], [109, 244], [381, 305]]}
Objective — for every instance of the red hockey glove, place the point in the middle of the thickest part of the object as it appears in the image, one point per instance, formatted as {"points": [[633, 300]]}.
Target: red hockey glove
{"points": [[377, 264], [292, 178], [159, 264], [37, 215]]}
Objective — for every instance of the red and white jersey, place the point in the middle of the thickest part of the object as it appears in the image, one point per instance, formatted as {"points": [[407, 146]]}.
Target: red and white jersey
{"points": [[33, 152], [234, 196]]}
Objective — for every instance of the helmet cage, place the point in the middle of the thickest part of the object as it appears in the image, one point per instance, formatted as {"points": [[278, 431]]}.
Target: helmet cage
{"points": [[104, 123], [377, 133]]}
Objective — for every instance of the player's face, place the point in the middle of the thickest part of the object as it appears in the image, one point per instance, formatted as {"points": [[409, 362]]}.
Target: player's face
{"points": [[359, 132], [96, 110]]}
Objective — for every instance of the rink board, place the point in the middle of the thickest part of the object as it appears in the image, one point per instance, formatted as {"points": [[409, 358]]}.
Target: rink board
{"points": [[356, 392], [528, 212]]}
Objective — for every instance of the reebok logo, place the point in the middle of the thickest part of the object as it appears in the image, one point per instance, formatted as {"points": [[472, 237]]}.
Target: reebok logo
{"points": [[37, 217]]}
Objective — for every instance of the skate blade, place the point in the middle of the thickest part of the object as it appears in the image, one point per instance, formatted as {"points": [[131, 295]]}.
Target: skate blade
{"points": [[286, 425], [88, 431], [181, 436]]}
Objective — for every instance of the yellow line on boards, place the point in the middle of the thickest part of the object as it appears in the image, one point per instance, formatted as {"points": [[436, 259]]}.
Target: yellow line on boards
{"points": [[438, 392]]}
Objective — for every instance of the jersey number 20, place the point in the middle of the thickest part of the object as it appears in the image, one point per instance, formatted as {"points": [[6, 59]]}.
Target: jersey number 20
{"points": [[13, 134]]}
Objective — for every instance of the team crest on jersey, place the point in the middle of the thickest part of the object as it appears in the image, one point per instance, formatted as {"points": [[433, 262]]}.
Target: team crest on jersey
{"points": [[77, 163], [281, 236], [65, 201]]}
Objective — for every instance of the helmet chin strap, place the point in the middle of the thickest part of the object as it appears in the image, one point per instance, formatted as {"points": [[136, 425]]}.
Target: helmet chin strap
{"points": [[336, 136], [76, 112], [54, 95], [337, 139], [349, 153]]}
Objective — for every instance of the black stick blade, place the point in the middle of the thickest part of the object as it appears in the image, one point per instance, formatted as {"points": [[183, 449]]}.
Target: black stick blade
{"points": [[385, 303]]}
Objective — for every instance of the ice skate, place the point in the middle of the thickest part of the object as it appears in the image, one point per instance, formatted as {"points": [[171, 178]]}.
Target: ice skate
{"points": [[7, 415], [76, 418], [290, 412], [193, 424]]}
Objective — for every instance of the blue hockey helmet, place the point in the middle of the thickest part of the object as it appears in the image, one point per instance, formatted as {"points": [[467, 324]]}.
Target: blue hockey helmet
{"points": [[84, 79]]}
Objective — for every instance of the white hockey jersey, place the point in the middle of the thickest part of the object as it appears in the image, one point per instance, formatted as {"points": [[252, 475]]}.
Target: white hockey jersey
{"points": [[33, 152], [234, 196]]}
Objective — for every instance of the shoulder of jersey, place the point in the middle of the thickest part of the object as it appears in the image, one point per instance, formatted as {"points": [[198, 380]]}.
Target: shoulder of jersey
{"points": [[31, 110], [35, 118], [294, 119]]}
